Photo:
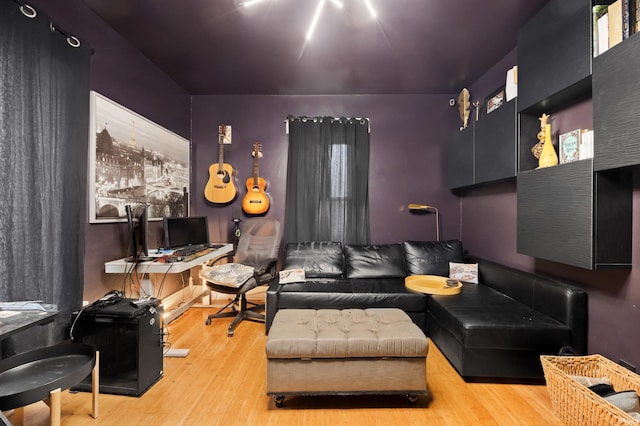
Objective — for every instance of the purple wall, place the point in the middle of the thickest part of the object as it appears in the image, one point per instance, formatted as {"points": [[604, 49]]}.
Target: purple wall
{"points": [[407, 163], [489, 229]]}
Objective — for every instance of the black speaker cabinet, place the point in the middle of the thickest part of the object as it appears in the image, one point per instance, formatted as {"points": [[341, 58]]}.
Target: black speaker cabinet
{"points": [[129, 339]]}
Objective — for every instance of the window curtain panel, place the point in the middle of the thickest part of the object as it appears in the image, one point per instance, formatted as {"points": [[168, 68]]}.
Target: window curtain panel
{"points": [[44, 123], [327, 180]]}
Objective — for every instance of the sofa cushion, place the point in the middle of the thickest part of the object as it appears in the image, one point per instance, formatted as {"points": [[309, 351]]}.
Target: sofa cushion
{"points": [[481, 317], [375, 261], [319, 259], [352, 293], [432, 257]]}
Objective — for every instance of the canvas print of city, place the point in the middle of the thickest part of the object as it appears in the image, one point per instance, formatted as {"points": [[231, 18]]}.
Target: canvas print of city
{"points": [[134, 161]]}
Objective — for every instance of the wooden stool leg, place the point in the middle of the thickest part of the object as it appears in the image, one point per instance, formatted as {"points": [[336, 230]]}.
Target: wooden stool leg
{"points": [[95, 386], [18, 417], [55, 398]]}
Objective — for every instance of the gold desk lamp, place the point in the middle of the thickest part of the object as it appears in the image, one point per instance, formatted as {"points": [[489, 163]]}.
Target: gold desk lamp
{"points": [[426, 208]]}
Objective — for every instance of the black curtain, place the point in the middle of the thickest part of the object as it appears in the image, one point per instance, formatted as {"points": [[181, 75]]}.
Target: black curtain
{"points": [[328, 180], [44, 127]]}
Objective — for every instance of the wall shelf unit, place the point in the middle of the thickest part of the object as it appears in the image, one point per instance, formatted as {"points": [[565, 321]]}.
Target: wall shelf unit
{"points": [[460, 158], [616, 105], [487, 150], [554, 57], [495, 144], [571, 215], [578, 213], [568, 213]]}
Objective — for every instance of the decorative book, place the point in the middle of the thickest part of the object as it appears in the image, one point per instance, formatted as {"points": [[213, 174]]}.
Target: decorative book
{"points": [[586, 144], [570, 146], [598, 11], [603, 33], [615, 23]]}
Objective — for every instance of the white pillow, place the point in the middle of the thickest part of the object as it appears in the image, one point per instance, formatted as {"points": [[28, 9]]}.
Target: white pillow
{"points": [[228, 274], [464, 272]]}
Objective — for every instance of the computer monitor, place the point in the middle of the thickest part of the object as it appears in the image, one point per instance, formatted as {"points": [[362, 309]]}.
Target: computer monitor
{"points": [[185, 231], [138, 222]]}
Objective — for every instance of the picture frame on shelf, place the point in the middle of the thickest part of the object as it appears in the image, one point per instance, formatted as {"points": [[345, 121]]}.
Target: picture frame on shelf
{"points": [[496, 99], [569, 146]]}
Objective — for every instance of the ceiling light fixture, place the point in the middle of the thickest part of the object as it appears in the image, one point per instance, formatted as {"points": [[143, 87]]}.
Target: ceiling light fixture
{"points": [[318, 12], [314, 21], [249, 3], [372, 11]]}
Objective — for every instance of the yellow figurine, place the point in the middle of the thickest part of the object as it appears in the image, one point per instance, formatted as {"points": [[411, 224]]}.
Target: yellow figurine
{"points": [[537, 148], [548, 156], [463, 105]]}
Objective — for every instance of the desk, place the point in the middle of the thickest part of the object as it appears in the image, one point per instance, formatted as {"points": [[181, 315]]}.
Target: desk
{"points": [[191, 293], [23, 320]]}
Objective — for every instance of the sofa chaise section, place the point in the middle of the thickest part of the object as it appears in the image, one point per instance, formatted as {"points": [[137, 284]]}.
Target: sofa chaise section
{"points": [[501, 326]]}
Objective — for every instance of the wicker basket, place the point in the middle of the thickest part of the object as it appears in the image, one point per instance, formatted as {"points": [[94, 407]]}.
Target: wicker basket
{"points": [[574, 403]]}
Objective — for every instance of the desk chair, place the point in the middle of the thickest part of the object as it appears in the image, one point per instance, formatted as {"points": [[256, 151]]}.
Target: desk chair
{"points": [[254, 264]]}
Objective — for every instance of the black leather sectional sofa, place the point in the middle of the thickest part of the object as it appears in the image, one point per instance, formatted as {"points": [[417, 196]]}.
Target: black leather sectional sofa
{"points": [[495, 329]]}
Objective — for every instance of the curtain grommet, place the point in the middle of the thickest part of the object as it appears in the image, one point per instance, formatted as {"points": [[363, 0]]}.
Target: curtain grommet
{"points": [[28, 11], [73, 41]]}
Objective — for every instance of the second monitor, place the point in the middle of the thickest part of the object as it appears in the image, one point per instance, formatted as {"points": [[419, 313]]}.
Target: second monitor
{"points": [[185, 231]]}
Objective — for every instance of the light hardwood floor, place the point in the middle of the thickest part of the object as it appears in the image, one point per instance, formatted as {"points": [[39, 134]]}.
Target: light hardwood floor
{"points": [[222, 382]]}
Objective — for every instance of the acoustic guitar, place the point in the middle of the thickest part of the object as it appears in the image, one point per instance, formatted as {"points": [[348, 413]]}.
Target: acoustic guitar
{"points": [[220, 187], [256, 201]]}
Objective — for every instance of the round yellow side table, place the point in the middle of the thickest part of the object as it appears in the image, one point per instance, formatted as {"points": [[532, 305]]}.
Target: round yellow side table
{"points": [[431, 284]]}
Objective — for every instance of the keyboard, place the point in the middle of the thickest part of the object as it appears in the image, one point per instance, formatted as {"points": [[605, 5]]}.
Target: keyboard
{"points": [[196, 255], [189, 250]]}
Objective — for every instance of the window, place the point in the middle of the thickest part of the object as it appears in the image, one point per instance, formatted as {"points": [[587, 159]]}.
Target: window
{"points": [[327, 180]]}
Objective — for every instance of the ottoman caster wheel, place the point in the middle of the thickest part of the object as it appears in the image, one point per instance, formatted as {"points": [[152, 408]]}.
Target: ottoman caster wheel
{"points": [[413, 399], [279, 400], [208, 321]]}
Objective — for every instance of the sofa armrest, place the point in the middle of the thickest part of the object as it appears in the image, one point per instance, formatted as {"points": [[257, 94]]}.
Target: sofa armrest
{"points": [[271, 303]]}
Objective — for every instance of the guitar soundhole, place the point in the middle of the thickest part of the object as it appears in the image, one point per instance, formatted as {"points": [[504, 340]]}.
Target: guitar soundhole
{"points": [[255, 189], [224, 176]]}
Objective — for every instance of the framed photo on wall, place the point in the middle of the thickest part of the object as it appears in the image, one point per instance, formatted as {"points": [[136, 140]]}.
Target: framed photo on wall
{"points": [[495, 100], [134, 161]]}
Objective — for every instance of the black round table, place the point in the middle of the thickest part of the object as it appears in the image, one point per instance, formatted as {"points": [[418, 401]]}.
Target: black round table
{"points": [[33, 376]]}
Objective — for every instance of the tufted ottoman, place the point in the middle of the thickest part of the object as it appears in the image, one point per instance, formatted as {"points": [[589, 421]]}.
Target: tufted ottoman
{"points": [[344, 352]]}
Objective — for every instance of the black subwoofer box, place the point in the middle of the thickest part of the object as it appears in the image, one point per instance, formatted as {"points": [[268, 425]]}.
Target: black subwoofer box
{"points": [[129, 339]]}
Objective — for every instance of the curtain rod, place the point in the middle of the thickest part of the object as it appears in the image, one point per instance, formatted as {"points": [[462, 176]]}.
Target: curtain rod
{"points": [[304, 118], [30, 12]]}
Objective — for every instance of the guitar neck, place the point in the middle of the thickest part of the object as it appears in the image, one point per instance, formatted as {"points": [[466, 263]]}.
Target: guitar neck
{"points": [[220, 154], [255, 170]]}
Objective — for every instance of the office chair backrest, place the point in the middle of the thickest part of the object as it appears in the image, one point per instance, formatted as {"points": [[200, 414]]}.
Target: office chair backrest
{"points": [[259, 241]]}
